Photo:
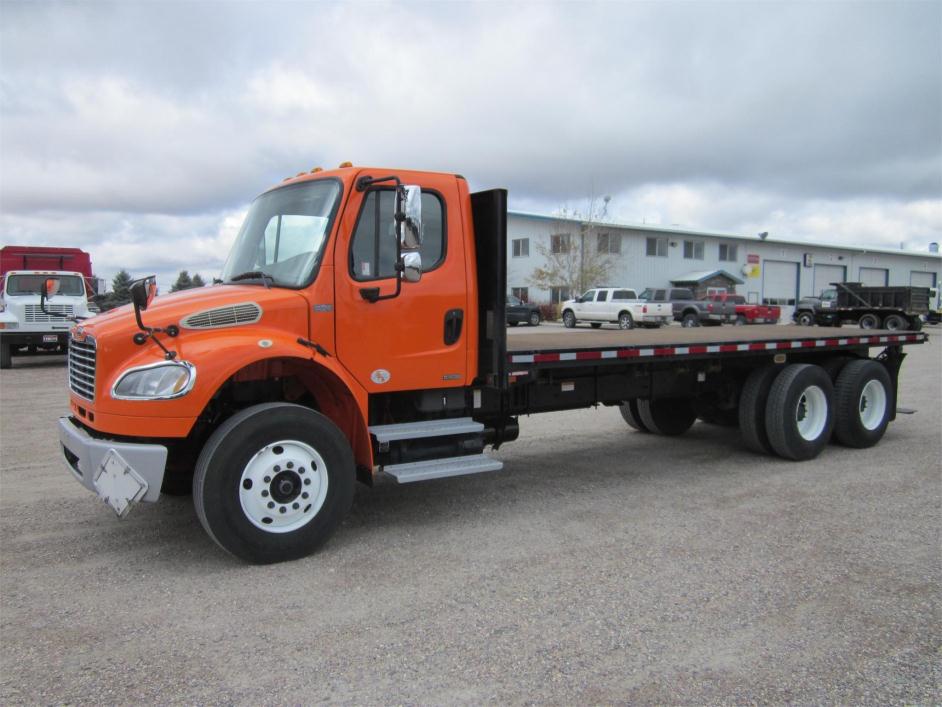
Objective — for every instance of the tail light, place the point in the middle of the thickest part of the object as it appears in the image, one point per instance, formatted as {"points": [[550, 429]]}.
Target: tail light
{"points": [[644, 309]]}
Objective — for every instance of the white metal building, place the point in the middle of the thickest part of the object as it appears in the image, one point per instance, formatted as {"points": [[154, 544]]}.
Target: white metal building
{"points": [[774, 271]]}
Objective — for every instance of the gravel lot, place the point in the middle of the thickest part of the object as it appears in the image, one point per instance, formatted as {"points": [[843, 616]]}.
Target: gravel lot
{"points": [[599, 566]]}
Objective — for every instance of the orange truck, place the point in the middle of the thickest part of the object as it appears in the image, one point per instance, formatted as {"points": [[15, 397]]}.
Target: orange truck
{"points": [[359, 330]]}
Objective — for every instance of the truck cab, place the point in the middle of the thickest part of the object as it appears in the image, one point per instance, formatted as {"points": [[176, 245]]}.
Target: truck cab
{"points": [[24, 326]]}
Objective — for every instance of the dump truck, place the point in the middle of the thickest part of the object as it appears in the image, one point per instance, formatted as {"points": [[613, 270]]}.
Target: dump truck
{"points": [[357, 332], [870, 307], [24, 326]]}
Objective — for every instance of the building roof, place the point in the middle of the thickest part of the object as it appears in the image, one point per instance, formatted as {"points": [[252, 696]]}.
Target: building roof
{"points": [[702, 275], [732, 236]]}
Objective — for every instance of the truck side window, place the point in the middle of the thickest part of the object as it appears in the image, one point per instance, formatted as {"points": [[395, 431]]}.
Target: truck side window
{"points": [[373, 249], [603, 295]]}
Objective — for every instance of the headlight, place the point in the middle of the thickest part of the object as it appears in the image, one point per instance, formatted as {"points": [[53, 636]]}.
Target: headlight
{"points": [[158, 381]]}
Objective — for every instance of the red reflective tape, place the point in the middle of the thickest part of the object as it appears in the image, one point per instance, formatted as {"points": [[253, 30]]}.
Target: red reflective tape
{"points": [[627, 353], [586, 355], [728, 347], [757, 347], [698, 349], [807, 344], [830, 342], [854, 340], [667, 351], [545, 358], [784, 344]]}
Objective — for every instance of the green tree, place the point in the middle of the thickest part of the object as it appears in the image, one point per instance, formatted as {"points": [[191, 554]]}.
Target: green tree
{"points": [[121, 287], [198, 280], [184, 282], [574, 258]]}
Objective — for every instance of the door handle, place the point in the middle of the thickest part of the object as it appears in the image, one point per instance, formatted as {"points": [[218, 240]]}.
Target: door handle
{"points": [[453, 321]]}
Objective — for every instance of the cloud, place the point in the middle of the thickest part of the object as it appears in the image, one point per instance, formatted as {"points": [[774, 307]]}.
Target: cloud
{"points": [[152, 120]]}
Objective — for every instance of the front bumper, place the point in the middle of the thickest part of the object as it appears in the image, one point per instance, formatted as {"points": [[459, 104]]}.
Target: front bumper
{"points": [[84, 455], [18, 337]]}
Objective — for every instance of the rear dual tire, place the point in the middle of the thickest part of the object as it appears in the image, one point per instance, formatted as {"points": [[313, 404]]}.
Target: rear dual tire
{"points": [[663, 416], [6, 356], [863, 401], [799, 415]]}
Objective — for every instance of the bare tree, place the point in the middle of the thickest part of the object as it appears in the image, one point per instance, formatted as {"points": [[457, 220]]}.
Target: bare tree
{"points": [[575, 257]]}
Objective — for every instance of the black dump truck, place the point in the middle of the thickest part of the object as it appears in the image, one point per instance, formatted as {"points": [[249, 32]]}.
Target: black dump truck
{"points": [[893, 308]]}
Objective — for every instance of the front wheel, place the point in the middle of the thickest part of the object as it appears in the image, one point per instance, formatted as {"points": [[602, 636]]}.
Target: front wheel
{"points": [[569, 319], [273, 482], [869, 321], [690, 320], [805, 319], [534, 319], [625, 321]]}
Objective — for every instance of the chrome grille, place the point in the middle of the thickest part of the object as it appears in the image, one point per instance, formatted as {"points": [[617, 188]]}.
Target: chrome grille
{"points": [[246, 313], [34, 314], [82, 356]]}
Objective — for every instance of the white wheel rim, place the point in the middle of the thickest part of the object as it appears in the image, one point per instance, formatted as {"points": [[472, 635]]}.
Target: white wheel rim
{"points": [[623, 321], [872, 405], [283, 486], [811, 413]]}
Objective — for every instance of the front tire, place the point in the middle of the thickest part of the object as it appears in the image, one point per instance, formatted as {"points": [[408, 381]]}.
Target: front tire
{"points": [[535, 319], [569, 319], [804, 319], [862, 402], [799, 415], [273, 482]]}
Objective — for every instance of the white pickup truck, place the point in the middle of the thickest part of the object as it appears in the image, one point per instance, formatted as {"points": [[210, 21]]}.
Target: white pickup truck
{"points": [[618, 305]]}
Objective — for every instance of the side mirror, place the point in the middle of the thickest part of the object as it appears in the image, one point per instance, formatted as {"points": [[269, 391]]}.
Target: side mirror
{"points": [[412, 211], [50, 287], [143, 292], [412, 266]]}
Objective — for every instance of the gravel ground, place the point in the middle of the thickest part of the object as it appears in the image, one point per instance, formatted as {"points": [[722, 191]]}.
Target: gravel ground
{"points": [[599, 566]]}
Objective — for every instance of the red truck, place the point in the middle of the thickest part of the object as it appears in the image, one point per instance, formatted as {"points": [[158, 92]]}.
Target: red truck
{"points": [[741, 312], [358, 330]]}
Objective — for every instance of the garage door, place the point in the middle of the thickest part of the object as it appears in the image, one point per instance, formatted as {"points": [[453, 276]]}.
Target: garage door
{"points": [[779, 282], [922, 279], [824, 275], [875, 277]]}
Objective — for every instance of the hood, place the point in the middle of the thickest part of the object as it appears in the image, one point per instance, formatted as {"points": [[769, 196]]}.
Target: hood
{"points": [[172, 308]]}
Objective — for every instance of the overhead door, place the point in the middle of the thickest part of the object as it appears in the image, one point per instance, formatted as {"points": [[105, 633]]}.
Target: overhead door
{"points": [[874, 277], [917, 278], [824, 275], [779, 282]]}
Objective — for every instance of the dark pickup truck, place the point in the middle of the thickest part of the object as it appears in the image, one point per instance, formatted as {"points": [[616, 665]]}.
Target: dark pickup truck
{"points": [[688, 310]]}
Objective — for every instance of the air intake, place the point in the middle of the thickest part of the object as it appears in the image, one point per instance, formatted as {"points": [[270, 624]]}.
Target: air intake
{"points": [[236, 315]]}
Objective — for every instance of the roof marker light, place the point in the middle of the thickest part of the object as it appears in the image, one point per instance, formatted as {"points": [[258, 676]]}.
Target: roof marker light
{"points": [[345, 164], [316, 170]]}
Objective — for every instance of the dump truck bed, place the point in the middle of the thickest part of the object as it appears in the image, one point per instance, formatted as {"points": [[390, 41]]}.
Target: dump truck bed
{"points": [[564, 345]]}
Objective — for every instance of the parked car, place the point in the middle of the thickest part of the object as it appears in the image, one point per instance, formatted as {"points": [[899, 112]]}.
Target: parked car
{"points": [[617, 305], [689, 311], [746, 313], [520, 312]]}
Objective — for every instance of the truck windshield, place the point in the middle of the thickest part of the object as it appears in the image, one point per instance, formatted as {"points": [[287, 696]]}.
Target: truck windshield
{"points": [[829, 294], [283, 237], [70, 285]]}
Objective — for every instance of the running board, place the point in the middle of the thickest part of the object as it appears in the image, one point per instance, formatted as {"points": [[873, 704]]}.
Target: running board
{"points": [[428, 428], [441, 468]]}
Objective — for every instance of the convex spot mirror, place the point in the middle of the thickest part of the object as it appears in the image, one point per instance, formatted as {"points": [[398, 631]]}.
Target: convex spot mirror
{"points": [[143, 292], [412, 266], [412, 221]]}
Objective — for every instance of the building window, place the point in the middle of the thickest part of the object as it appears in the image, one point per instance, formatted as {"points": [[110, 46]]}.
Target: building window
{"points": [[693, 250], [521, 247], [609, 243], [656, 247], [559, 243], [559, 295], [729, 253], [521, 293]]}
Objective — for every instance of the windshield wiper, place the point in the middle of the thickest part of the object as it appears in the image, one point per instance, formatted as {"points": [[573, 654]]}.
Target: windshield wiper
{"points": [[254, 275]]}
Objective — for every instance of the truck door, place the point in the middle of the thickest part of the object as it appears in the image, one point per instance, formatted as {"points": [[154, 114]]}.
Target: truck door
{"points": [[418, 339]]}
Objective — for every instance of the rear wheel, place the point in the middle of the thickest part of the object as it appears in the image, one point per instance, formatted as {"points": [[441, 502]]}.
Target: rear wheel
{"points": [[752, 403], [629, 411], [805, 319], [6, 356], [667, 416], [798, 415], [535, 319], [915, 324], [626, 321], [862, 403], [273, 482], [690, 320], [894, 322], [569, 319], [869, 321], [740, 320]]}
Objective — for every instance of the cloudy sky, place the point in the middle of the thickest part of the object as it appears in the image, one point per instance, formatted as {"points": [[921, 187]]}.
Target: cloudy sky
{"points": [[140, 130]]}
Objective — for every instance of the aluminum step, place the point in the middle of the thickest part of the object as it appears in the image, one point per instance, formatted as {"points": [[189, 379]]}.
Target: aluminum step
{"points": [[441, 468], [427, 428]]}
